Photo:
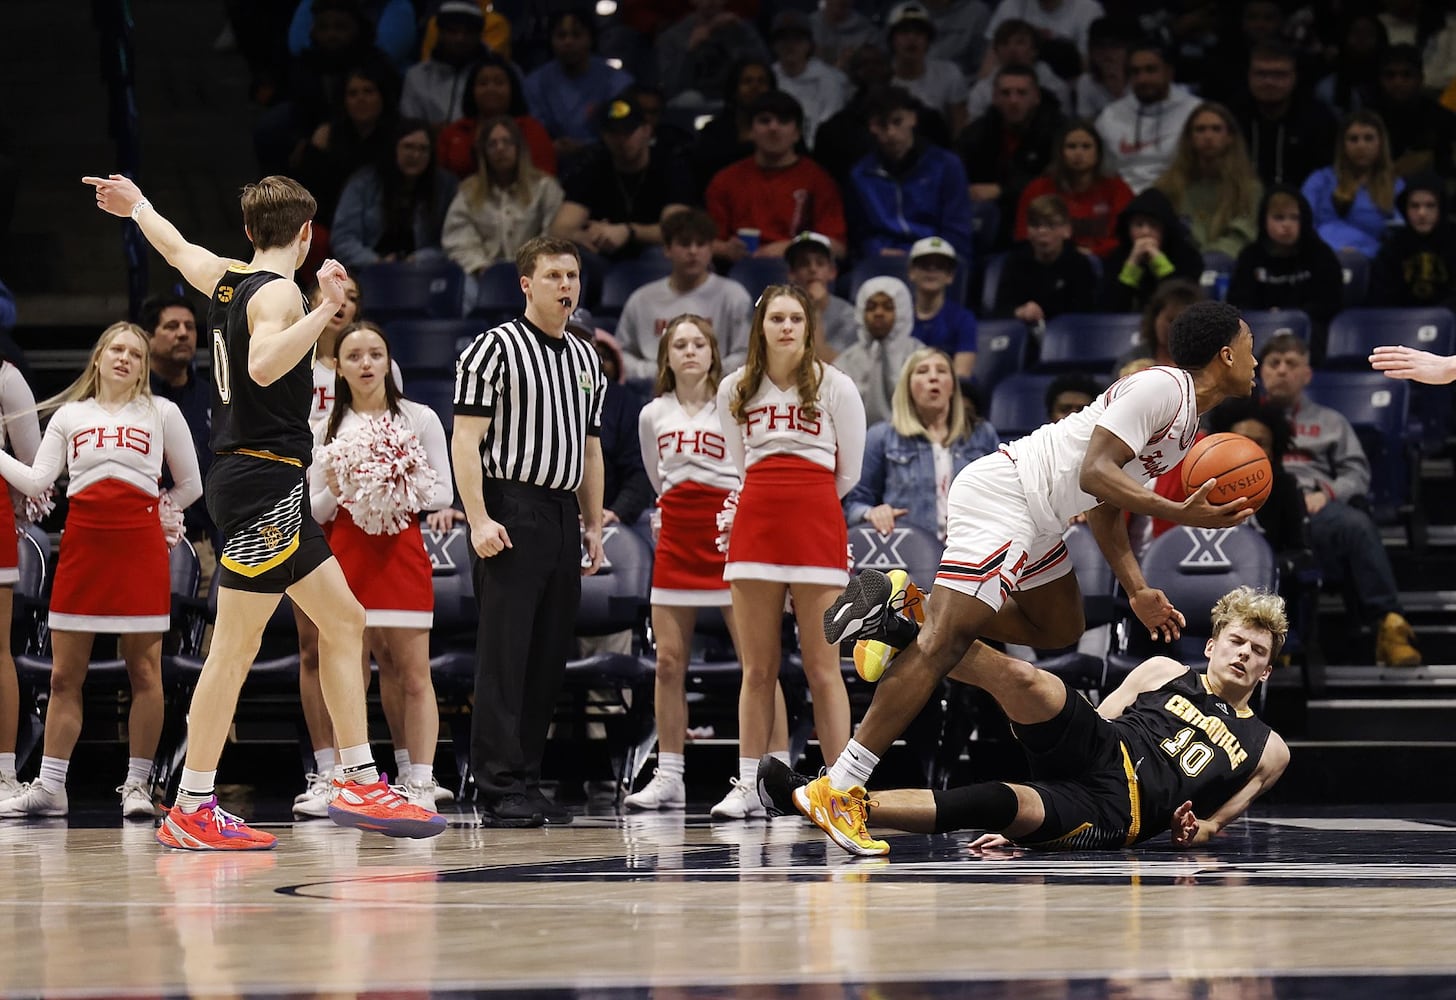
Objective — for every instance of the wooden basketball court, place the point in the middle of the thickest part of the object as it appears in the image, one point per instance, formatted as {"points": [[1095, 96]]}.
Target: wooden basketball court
{"points": [[1291, 903]]}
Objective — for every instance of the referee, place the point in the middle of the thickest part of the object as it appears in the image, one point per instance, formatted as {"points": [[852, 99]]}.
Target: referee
{"points": [[528, 460]]}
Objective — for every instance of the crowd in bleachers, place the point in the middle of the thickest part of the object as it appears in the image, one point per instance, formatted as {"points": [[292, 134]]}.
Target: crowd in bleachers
{"points": [[992, 209]]}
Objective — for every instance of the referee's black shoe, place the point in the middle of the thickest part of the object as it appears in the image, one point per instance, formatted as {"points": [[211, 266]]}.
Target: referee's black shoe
{"points": [[511, 810], [554, 813]]}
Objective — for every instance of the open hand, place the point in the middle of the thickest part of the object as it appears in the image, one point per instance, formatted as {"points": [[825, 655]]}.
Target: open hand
{"points": [[1416, 366], [1156, 612], [1199, 513], [1184, 825]]}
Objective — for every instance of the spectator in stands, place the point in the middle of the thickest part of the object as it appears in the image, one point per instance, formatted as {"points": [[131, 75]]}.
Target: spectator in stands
{"points": [[727, 138], [1167, 303], [777, 192], [492, 88], [1063, 23], [1326, 458], [1246, 25], [1422, 132], [622, 188], [360, 135], [1289, 135], [1046, 275], [940, 321], [506, 202], [1069, 393], [626, 490], [1288, 266], [840, 31], [1141, 128], [694, 53], [113, 531], [171, 321], [1354, 201], [1152, 246], [1075, 174], [566, 93], [1212, 184], [936, 83], [391, 23], [434, 87], [673, 139], [1417, 264], [387, 570], [845, 138], [812, 269], [1361, 40], [1105, 78], [907, 189], [820, 89], [911, 458], [960, 31], [1009, 146], [692, 287], [882, 343], [395, 211], [22, 436], [1016, 44]]}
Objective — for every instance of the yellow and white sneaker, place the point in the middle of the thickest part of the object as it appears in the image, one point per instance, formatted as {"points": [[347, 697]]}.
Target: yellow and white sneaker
{"points": [[842, 815], [907, 601]]}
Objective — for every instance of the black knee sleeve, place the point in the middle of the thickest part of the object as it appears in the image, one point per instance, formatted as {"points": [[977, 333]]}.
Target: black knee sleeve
{"points": [[987, 806]]}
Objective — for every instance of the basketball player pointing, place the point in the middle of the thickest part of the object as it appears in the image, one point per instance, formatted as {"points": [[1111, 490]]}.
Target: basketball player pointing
{"points": [[1004, 538], [262, 361]]}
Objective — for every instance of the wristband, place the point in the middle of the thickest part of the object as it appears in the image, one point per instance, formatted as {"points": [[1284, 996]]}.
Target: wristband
{"points": [[137, 208]]}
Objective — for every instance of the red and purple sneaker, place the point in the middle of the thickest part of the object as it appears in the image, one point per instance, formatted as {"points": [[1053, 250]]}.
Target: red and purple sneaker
{"points": [[211, 828], [378, 808]]}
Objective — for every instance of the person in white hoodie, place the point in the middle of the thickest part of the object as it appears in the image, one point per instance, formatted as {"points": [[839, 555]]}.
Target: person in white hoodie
{"points": [[885, 316], [1141, 128]]}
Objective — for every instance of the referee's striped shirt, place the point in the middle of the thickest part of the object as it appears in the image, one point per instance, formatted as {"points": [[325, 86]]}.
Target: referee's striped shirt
{"points": [[543, 395]]}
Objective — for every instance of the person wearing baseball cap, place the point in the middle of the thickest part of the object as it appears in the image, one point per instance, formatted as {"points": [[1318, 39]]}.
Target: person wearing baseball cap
{"points": [[433, 87], [810, 257], [941, 321], [936, 83]]}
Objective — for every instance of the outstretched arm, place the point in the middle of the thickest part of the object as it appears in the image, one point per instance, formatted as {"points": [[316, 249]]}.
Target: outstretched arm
{"points": [[1188, 829], [1416, 366], [121, 197]]}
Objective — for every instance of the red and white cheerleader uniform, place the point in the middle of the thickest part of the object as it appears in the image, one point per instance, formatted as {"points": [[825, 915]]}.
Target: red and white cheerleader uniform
{"points": [[687, 459], [789, 527], [389, 574], [20, 431], [322, 402], [113, 573]]}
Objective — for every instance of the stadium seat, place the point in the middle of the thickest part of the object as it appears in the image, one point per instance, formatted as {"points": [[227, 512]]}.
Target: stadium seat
{"points": [[1354, 333], [432, 289], [1018, 406], [436, 393], [430, 347], [453, 639], [1264, 324], [625, 277], [1001, 348], [985, 226], [498, 294], [1089, 342], [990, 282], [1218, 267], [29, 634], [914, 549], [1379, 409], [757, 273], [1355, 271]]}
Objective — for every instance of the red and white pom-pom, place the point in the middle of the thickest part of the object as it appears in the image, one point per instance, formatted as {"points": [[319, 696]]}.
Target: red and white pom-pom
{"points": [[33, 509], [725, 521], [172, 521], [384, 475]]}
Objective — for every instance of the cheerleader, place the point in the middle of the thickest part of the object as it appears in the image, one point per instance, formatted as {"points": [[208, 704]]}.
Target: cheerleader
{"points": [[110, 435], [795, 428], [19, 429], [388, 573]]}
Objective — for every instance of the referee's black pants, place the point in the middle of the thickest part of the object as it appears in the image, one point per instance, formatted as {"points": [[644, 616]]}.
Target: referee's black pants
{"points": [[528, 596]]}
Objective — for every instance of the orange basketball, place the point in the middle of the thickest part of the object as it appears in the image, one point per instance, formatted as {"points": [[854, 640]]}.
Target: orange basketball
{"points": [[1239, 466]]}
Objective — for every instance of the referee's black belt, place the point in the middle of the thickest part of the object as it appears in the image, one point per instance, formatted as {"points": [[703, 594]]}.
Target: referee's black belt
{"points": [[526, 491]]}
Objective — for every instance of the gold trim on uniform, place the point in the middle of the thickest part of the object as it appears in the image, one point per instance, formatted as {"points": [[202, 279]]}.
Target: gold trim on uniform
{"points": [[267, 456], [1134, 797], [277, 559]]}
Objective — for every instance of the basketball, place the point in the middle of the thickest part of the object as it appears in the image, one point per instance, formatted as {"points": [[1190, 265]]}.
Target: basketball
{"points": [[1238, 465]]}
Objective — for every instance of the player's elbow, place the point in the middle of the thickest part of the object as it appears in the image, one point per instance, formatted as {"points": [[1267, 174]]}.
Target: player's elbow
{"points": [[261, 372]]}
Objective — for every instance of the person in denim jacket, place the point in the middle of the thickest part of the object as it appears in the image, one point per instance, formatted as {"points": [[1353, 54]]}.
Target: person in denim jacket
{"points": [[911, 459]]}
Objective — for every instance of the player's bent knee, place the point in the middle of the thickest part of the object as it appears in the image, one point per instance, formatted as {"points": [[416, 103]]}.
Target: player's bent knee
{"points": [[945, 642]]}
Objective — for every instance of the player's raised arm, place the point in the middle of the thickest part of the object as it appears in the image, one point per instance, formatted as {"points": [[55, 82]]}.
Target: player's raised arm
{"points": [[121, 197], [1413, 365], [282, 333]]}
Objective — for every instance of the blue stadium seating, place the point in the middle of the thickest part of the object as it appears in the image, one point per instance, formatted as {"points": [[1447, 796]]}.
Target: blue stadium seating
{"points": [[498, 293], [1354, 333], [1265, 323], [1090, 342], [625, 277], [1355, 271], [436, 393], [1018, 406], [395, 291], [1001, 347], [991, 281], [1218, 267], [907, 546], [430, 347], [1084, 665], [1379, 409], [757, 273]]}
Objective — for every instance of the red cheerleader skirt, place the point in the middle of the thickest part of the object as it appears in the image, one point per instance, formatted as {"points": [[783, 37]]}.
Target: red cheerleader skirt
{"points": [[687, 568], [113, 574], [789, 527], [389, 574], [9, 554]]}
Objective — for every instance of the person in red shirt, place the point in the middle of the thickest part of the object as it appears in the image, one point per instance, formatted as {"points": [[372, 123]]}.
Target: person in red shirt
{"points": [[491, 88], [777, 192], [1094, 199]]}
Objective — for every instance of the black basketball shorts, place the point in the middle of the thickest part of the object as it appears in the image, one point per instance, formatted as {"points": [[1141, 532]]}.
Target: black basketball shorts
{"points": [[270, 539]]}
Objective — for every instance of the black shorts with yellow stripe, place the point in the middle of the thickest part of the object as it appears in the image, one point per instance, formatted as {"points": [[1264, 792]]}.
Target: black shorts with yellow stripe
{"points": [[260, 506], [1087, 784]]}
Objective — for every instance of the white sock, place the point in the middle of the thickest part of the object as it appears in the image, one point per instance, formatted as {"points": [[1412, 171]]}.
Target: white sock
{"points": [[748, 771], [195, 788], [670, 765], [138, 770], [419, 774], [7, 765], [402, 764], [53, 773], [782, 756], [325, 760], [358, 764], [854, 767]]}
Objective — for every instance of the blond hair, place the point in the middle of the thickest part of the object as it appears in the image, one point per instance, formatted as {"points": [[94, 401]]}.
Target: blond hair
{"points": [[477, 187], [1238, 186], [808, 374], [666, 377], [1254, 609], [89, 382], [906, 421], [275, 209]]}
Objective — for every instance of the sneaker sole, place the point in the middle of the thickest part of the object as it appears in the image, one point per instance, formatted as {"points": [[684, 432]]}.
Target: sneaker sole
{"points": [[851, 612], [801, 802], [654, 807], [415, 829], [167, 836]]}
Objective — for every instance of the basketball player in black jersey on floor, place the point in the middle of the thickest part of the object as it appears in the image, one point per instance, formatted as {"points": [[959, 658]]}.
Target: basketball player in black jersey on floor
{"points": [[263, 339], [1170, 749]]}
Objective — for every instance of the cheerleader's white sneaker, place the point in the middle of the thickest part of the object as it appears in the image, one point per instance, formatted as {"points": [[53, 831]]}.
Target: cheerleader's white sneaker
{"points": [[741, 802], [664, 791], [35, 800]]}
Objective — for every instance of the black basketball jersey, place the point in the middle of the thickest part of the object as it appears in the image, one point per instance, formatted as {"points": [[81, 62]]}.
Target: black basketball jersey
{"points": [[1188, 744], [270, 421]]}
